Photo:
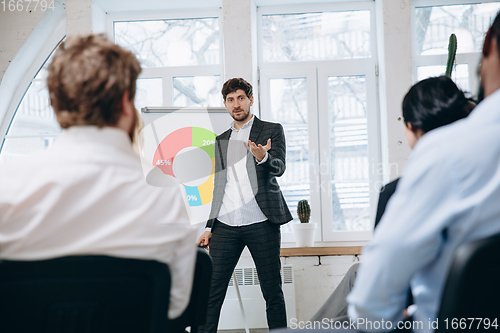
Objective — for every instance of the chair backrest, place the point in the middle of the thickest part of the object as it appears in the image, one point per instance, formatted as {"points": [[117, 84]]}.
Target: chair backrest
{"points": [[83, 294], [196, 311], [472, 288]]}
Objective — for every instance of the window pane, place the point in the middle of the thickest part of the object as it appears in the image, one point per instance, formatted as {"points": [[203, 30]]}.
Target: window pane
{"points": [[171, 42], [316, 36], [289, 108], [468, 22], [34, 125], [197, 91], [349, 153], [149, 93], [460, 75], [35, 116]]}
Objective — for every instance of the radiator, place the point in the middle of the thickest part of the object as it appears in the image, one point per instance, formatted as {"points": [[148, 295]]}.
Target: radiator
{"points": [[253, 301]]}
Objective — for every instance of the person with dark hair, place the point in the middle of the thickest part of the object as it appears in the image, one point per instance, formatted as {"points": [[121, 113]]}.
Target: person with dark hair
{"points": [[432, 103], [429, 104], [236, 84], [248, 206], [447, 196], [86, 194]]}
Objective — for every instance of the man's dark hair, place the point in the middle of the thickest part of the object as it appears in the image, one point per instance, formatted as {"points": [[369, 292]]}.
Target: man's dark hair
{"points": [[435, 102], [493, 32], [234, 84]]}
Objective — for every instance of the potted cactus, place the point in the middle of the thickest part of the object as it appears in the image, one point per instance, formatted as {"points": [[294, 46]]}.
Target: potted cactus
{"points": [[303, 211], [304, 231]]}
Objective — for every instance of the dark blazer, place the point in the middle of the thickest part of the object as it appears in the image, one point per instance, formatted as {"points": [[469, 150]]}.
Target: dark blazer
{"points": [[262, 176], [385, 194]]}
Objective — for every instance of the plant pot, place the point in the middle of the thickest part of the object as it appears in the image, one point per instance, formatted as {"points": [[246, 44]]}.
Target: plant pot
{"points": [[304, 233]]}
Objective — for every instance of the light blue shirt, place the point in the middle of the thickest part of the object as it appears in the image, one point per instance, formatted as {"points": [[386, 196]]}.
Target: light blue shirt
{"points": [[449, 195]]}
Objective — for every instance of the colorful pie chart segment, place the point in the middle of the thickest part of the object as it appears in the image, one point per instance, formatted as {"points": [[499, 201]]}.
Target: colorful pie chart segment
{"points": [[194, 167]]}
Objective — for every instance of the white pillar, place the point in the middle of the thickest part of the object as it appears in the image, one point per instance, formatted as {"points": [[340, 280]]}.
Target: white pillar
{"points": [[395, 79], [238, 25], [84, 17], [78, 17], [239, 31]]}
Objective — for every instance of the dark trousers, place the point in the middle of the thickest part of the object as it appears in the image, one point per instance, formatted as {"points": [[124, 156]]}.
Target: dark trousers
{"points": [[263, 240]]}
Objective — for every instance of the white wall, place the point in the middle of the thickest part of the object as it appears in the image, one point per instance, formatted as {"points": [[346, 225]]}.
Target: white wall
{"points": [[239, 31], [314, 281], [395, 79], [16, 28]]}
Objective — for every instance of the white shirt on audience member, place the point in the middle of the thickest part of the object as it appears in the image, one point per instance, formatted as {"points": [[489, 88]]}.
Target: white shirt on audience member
{"points": [[86, 195], [449, 195]]}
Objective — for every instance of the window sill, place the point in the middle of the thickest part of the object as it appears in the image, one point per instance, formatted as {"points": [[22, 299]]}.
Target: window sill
{"points": [[320, 251]]}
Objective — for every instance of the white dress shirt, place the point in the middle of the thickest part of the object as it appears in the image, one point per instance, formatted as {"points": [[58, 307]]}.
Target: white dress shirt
{"points": [[449, 195], [239, 207], [86, 195]]}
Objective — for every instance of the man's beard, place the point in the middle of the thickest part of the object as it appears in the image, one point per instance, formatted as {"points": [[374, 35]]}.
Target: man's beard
{"points": [[480, 94], [244, 115], [134, 130]]}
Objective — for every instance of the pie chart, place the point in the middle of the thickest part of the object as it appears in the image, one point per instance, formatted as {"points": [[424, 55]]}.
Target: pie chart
{"points": [[188, 155]]}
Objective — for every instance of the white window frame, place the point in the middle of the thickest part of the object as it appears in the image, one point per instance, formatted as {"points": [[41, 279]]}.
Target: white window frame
{"points": [[472, 59], [351, 68], [167, 74], [309, 73], [25, 83], [317, 73]]}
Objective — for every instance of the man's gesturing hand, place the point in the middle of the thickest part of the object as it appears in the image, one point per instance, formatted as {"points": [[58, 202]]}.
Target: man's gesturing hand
{"points": [[259, 151], [204, 239]]}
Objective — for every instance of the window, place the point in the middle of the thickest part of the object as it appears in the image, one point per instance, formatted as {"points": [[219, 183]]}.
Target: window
{"points": [[433, 25], [317, 78], [34, 126], [180, 57], [347, 120], [316, 36]]}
